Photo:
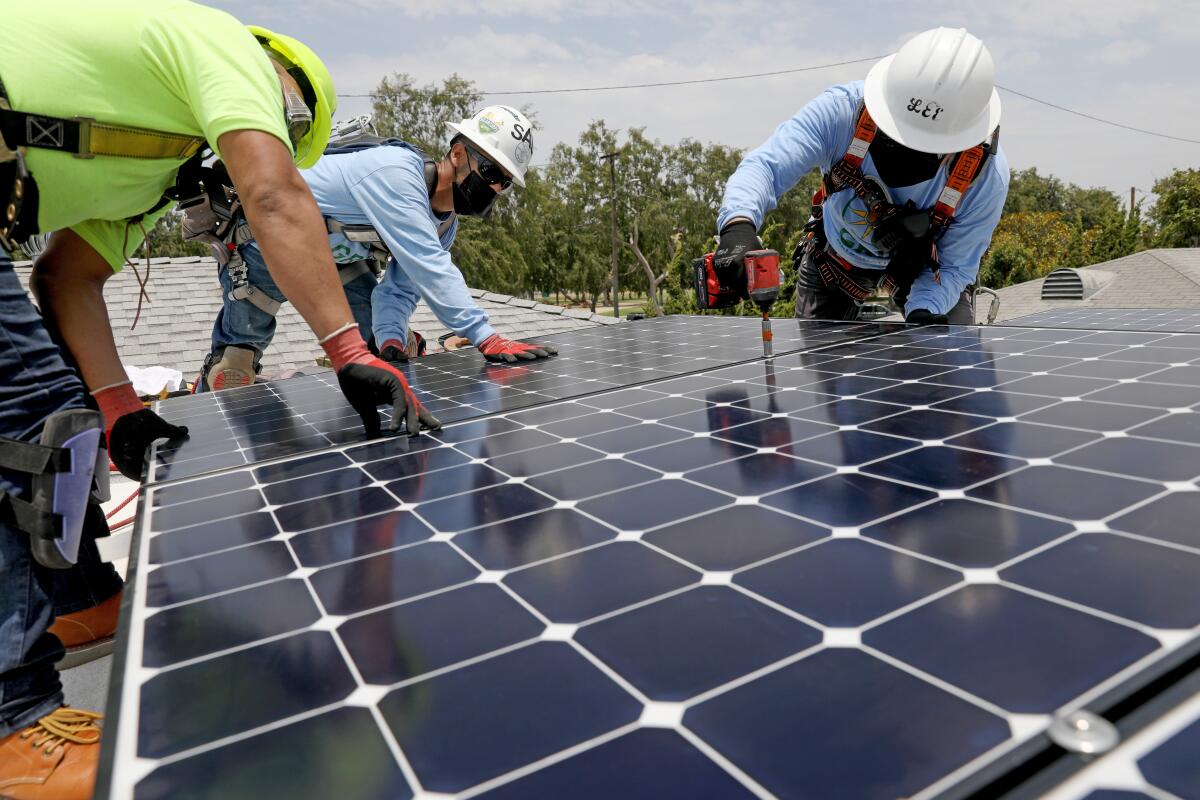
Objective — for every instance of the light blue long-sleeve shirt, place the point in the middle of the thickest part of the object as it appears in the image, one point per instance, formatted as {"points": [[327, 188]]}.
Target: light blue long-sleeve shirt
{"points": [[817, 136], [385, 187]]}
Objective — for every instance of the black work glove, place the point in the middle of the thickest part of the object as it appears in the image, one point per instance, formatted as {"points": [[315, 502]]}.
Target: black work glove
{"points": [[737, 239], [368, 385], [923, 316], [132, 433], [901, 225], [393, 353]]}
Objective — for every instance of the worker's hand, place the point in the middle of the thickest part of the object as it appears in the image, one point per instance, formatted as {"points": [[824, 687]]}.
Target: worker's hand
{"points": [[497, 348], [923, 316], [395, 350], [369, 382], [132, 433], [737, 239]]}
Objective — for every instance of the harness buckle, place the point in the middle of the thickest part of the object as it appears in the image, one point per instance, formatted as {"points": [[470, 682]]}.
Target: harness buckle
{"points": [[85, 138]]}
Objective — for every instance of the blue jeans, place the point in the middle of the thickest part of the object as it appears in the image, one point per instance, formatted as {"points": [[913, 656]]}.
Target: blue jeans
{"points": [[242, 323], [35, 382]]}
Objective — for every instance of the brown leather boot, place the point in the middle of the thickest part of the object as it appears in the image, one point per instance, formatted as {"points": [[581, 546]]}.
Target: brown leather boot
{"points": [[53, 759], [87, 634]]}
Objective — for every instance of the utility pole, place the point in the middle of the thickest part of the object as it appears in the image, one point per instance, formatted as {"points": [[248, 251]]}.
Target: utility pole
{"points": [[1132, 193], [611, 158]]}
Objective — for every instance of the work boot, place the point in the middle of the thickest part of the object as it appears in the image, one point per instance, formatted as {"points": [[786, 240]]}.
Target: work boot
{"points": [[87, 634], [53, 759], [235, 367]]}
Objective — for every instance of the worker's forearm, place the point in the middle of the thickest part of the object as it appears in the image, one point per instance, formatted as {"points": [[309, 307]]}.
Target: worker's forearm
{"points": [[74, 306], [291, 234]]}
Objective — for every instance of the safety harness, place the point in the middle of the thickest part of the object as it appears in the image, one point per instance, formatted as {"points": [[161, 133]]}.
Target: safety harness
{"points": [[910, 234], [85, 138]]}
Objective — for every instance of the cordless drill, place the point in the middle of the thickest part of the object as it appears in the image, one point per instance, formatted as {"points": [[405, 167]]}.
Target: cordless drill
{"points": [[717, 286]]}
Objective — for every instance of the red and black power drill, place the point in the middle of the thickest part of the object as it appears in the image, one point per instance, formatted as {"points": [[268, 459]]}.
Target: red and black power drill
{"points": [[762, 287]]}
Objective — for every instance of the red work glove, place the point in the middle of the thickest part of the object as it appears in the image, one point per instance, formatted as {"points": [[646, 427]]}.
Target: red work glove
{"points": [[369, 382], [396, 350], [497, 348], [130, 428]]}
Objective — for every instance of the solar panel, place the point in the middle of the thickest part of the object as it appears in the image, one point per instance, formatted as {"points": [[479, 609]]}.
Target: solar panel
{"points": [[1179, 320], [285, 418], [875, 569]]}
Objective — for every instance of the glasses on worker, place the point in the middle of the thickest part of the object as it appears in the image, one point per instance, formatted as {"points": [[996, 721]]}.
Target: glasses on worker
{"points": [[489, 170]]}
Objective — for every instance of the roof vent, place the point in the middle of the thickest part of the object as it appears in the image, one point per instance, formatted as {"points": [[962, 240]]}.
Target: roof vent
{"points": [[1073, 284]]}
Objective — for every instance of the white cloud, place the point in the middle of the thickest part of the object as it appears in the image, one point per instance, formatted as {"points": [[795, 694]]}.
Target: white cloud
{"points": [[1123, 51]]}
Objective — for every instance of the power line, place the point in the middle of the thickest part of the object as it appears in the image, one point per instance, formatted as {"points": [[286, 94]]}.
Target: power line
{"points": [[1098, 119], [576, 89]]}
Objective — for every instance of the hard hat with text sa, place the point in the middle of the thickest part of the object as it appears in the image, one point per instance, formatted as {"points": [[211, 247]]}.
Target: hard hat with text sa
{"points": [[937, 93], [503, 134]]}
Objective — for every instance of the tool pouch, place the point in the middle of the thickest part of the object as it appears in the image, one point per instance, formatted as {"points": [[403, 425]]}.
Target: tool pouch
{"points": [[61, 465]]}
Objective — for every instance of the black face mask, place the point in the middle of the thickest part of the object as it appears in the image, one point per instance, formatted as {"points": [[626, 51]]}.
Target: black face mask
{"points": [[473, 196], [898, 166]]}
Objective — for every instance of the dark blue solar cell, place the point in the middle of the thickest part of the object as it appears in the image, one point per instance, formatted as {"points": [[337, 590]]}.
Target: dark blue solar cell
{"points": [[688, 454], [494, 504], [313, 486], [403, 641], [840, 723], [206, 510], [1144, 458], [593, 582], [213, 536], [203, 489], [181, 581], [410, 464], [625, 397], [1057, 385], [506, 443], [849, 412], [1093, 416], [1115, 370], [239, 691], [544, 459], [218, 623], [956, 358], [914, 394], [554, 413], [1028, 363], [266, 765], [1172, 766], [1022, 653], [522, 706], [1116, 794], [1171, 518], [847, 500], [596, 422], [421, 488], [927, 424], [391, 576], [475, 430], [758, 474], [774, 432], [651, 505], [317, 513], [1023, 439], [360, 537], [1185, 376], [713, 418], [300, 467], [1158, 586], [592, 479], [734, 537], [634, 437], [943, 467], [967, 533], [994, 404], [844, 583], [533, 538], [647, 764], [1177, 428], [845, 448], [689, 643], [904, 372], [1155, 395], [982, 377], [392, 446], [1064, 492]]}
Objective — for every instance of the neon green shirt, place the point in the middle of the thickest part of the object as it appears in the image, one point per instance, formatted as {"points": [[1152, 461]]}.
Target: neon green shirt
{"points": [[167, 65]]}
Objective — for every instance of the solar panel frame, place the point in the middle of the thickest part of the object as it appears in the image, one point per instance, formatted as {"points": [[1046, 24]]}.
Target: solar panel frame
{"points": [[830, 367]]}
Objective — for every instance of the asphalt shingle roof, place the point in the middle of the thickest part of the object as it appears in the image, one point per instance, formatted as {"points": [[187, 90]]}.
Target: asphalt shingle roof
{"points": [[175, 328]]}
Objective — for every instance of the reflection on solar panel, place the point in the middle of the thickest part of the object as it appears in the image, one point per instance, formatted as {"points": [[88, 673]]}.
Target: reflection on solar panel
{"points": [[1115, 319], [877, 568], [296, 416]]}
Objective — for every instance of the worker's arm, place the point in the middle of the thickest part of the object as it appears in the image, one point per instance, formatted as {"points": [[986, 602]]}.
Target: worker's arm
{"points": [[807, 140], [288, 227]]}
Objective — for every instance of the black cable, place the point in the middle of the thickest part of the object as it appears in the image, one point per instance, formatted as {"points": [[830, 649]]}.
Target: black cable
{"points": [[1097, 119]]}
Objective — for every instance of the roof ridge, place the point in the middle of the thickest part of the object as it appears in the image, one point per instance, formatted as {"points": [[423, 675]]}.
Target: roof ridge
{"points": [[1153, 253], [521, 302]]}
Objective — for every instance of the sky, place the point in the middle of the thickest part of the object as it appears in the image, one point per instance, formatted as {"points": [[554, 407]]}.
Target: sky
{"points": [[1130, 61]]}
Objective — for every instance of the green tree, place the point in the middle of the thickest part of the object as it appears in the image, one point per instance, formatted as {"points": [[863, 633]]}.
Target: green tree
{"points": [[166, 241], [418, 114], [1176, 212]]}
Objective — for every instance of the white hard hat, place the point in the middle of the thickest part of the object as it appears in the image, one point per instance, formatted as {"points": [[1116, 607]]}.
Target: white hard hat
{"points": [[503, 134], [937, 93]]}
